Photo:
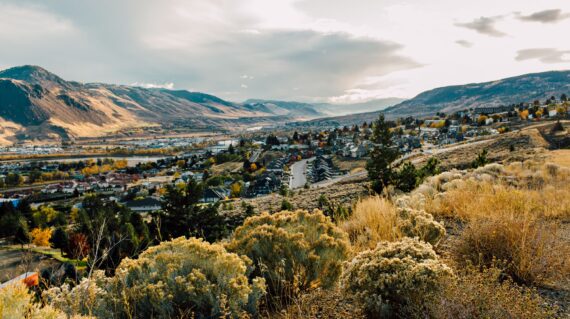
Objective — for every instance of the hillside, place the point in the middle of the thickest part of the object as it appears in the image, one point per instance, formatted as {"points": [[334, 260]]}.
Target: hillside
{"points": [[37, 104], [283, 108], [353, 108], [523, 88]]}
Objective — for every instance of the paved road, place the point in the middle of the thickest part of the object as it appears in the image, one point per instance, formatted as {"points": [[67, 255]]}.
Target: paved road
{"points": [[298, 177], [253, 158]]}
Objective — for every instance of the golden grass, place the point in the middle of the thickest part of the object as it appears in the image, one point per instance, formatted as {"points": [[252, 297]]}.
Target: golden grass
{"points": [[473, 200], [374, 219], [560, 157], [517, 217], [226, 167]]}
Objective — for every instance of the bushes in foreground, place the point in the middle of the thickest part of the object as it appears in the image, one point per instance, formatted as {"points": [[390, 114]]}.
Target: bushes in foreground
{"points": [[483, 294], [394, 276], [293, 251], [376, 219], [531, 249], [16, 301], [181, 278], [416, 223]]}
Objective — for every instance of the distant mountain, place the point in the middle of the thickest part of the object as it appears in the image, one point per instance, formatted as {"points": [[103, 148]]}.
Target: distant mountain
{"points": [[37, 104], [283, 108], [524, 88], [347, 109]]}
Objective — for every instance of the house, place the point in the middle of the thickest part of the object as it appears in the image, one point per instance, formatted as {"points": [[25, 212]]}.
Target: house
{"points": [[264, 185], [144, 205], [215, 194]]}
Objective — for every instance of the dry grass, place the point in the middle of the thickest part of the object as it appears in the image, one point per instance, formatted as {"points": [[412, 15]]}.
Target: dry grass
{"points": [[523, 193], [531, 249], [374, 219], [351, 165], [226, 167], [560, 157], [320, 303], [512, 213], [482, 294]]}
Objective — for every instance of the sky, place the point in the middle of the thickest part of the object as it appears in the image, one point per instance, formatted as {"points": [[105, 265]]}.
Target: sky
{"points": [[336, 51]]}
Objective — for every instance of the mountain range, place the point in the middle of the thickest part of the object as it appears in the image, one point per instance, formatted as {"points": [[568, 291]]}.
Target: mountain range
{"points": [[38, 105], [513, 90]]}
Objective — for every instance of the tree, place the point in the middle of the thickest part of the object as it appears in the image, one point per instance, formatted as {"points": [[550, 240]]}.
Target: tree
{"points": [[40, 237], [431, 168], [22, 235], [286, 205], [272, 140], [235, 190], [59, 239], [13, 179], [481, 159], [182, 216], [407, 178], [383, 154]]}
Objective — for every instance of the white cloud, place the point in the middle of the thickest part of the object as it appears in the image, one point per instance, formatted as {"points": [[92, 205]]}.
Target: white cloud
{"points": [[168, 86]]}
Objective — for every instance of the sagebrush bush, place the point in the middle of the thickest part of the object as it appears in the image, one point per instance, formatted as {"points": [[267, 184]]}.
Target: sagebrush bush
{"points": [[293, 251], [181, 278], [474, 294], [393, 275], [417, 223], [16, 301]]}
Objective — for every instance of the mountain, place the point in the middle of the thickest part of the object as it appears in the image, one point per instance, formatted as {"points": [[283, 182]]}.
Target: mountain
{"points": [[524, 88], [347, 109], [37, 104], [283, 108]]}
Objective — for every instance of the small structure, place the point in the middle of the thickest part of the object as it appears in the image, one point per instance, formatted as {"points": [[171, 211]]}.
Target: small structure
{"points": [[144, 205], [30, 279], [215, 194]]}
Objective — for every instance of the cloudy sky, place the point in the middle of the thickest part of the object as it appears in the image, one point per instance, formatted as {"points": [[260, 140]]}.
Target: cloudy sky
{"points": [[310, 50]]}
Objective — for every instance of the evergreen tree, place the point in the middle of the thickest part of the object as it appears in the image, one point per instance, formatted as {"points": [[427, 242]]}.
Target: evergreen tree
{"points": [[407, 177], [379, 166], [59, 239], [22, 235]]}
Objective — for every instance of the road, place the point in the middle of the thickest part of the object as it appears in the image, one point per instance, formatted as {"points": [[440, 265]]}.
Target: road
{"points": [[253, 158], [298, 177]]}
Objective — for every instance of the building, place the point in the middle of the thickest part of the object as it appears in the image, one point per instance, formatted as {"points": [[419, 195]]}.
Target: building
{"points": [[144, 205], [215, 194]]}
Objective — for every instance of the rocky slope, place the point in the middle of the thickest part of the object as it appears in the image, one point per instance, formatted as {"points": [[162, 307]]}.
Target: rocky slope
{"points": [[37, 104], [524, 88]]}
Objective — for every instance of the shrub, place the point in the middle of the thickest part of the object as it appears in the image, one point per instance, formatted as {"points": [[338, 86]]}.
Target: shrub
{"points": [[16, 301], [393, 275], [374, 219], [531, 249], [481, 294], [293, 251], [178, 278], [417, 223]]}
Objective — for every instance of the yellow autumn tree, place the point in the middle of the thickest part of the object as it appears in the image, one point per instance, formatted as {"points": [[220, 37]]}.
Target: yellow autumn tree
{"points": [[235, 190], [120, 164], [40, 237]]}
